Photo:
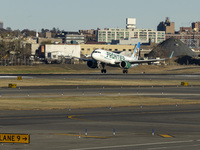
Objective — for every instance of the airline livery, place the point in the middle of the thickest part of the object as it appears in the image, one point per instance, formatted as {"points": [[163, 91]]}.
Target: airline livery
{"points": [[103, 57]]}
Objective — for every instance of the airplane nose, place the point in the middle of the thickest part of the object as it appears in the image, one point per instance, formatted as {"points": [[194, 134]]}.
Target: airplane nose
{"points": [[93, 55]]}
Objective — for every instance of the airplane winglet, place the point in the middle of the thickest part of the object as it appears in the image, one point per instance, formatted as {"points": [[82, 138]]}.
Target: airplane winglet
{"points": [[172, 54], [72, 54]]}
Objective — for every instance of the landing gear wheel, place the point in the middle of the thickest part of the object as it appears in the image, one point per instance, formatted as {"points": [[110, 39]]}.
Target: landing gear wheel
{"points": [[103, 71], [125, 71]]}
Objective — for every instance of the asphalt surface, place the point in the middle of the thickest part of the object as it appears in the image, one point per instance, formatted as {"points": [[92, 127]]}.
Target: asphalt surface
{"points": [[180, 92], [107, 76], [175, 127]]}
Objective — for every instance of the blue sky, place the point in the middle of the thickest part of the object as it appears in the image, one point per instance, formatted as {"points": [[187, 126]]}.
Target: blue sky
{"points": [[72, 15]]}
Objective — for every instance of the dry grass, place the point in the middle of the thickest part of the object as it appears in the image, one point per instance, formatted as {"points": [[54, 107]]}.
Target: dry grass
{"points": [[62, 69], [85, 102], [98, 82]]}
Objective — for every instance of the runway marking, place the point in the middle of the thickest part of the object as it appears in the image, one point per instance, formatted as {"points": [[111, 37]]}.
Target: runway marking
{"points": [[134, 145], [175, 147], [157, 148], [75, 117], [30, 117], [85, 136], [99, 95], [165, 135]]}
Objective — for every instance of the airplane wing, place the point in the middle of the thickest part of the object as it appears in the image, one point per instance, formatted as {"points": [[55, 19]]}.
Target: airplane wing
{"points": [[140, 61], [150, 60], [145, 61], [84, 59]]}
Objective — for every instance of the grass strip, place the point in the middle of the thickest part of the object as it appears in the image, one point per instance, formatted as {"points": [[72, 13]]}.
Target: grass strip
{"points": [[76, 102], [98, 82]]}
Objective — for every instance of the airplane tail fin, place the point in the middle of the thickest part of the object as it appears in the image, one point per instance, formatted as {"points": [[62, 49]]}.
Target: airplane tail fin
{"points": [[136, 50]]}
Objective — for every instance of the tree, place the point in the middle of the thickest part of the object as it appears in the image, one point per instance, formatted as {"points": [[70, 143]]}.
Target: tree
{"points": [[54, 30], [9, 29], [27, 32], [3, 49], [44, 30], [17, 33]]}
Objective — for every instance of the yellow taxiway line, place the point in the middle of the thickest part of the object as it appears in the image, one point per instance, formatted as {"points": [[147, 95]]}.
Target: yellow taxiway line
{"points": [[86, 136]]}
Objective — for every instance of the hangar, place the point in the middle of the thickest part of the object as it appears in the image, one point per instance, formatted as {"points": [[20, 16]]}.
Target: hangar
{"points": [[60, 53]]}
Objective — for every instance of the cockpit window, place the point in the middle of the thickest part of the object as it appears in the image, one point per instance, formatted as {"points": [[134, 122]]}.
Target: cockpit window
{"points": [[97, 52]]}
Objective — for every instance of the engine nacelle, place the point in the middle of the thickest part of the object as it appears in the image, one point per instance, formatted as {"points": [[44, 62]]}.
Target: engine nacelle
{"points": [[92, 64], [125, 65]]}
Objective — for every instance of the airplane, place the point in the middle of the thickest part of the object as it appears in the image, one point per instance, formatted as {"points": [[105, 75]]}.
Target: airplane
{"points": [[104, 57]]}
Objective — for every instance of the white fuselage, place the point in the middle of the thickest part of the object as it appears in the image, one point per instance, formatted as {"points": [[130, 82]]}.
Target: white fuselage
{"points": [[108, 57]]}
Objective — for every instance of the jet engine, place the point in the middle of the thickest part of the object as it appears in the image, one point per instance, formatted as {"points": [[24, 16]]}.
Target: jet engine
{"points": [[92, 64], [125, 65]]}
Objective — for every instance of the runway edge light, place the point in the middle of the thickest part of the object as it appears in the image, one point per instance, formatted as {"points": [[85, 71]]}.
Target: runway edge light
{"points": [[114, 132], [153, 132]]}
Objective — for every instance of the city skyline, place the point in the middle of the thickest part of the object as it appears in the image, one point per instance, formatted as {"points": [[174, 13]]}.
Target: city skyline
{"points": [[90, 14]]}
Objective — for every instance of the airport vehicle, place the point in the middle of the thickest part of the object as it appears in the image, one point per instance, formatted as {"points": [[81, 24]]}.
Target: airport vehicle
{"points": [[103, 57]]}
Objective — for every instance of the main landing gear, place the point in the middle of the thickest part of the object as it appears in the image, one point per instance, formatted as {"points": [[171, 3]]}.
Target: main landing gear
{"points": [[103, 70], [125, 71]]}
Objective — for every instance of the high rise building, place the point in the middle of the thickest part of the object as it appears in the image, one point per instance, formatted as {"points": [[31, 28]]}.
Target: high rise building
{"points": [[107, 35], [130, 33], [196, 26], [167, 26], [1, 25]]}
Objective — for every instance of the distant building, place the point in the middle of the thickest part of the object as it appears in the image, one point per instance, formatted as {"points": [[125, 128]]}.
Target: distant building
{"points": [[167, 26], [92, 31], [59, 53], [126, 41], [52, 40], [48, 35], [71, 37], [131, 33], [196, 26], [185, 29], [1, 25], [130, 23], [144, 35], [191, 39], [189, 35], [90, 35]]}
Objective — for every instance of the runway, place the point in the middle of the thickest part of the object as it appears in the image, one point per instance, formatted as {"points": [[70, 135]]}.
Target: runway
{"points": [[174, 128]]}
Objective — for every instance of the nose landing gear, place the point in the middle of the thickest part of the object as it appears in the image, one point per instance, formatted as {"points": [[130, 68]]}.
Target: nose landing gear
{"points": [[125, 71]]}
